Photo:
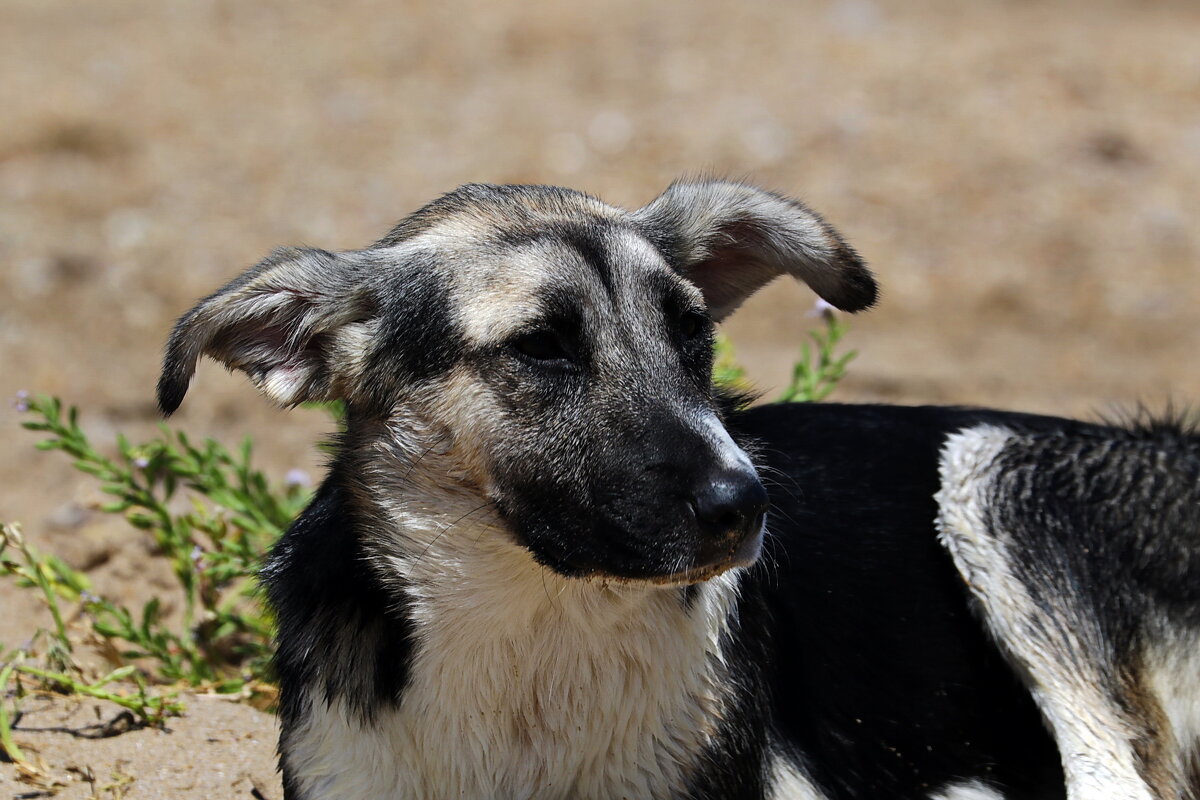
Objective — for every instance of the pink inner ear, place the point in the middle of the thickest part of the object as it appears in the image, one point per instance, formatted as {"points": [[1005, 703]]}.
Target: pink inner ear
{"points": [[283, 369], [273, 337], [731, 272]]}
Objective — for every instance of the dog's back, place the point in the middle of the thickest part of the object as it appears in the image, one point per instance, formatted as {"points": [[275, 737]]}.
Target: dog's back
{"points": [[1062, 588]]}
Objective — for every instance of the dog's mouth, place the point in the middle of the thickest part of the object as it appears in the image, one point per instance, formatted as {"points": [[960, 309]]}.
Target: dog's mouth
{"points": [[718, 558], [689, 576]]}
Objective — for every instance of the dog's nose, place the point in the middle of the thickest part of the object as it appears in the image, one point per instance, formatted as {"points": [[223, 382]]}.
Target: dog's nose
{"points": [[730, 506]]}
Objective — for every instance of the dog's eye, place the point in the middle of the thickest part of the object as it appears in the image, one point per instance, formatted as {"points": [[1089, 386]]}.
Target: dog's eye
{"points": [[692, 324], [541, 345]]}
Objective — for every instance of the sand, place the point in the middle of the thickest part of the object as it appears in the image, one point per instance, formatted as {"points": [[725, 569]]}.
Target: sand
{"points": [[219, 749]]}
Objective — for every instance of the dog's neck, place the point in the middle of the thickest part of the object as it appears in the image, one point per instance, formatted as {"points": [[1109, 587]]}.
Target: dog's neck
{"points": [[520, 679]]}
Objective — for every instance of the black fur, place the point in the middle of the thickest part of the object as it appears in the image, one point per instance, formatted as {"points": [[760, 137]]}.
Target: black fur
{"points": [[878, 672], [339, 627], [1090, 494], [420, 337]]}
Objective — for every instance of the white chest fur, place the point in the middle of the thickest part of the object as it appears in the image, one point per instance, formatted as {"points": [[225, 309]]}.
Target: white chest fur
{"points": [[598, 693]]}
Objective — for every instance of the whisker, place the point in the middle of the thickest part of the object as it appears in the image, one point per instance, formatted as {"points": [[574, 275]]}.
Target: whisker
{"points": [[417, 462], [443, 531], [546, 589]]}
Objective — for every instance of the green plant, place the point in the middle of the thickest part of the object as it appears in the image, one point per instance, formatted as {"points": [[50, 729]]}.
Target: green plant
{"points": [[727, 372], [814, 375], [215, 546], [820, 367], [212, 516], [8, 747], [59, 584]]}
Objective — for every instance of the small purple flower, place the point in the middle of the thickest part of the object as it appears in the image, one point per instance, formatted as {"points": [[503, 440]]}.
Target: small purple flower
{"points": [[197, 556], [21, 401], [88, 597], [141, 462], [821, 308], [296, 478]]}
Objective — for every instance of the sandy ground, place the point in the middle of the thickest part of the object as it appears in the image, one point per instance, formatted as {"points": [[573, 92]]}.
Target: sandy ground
{"points": [[1025, 178], [221, 749]]}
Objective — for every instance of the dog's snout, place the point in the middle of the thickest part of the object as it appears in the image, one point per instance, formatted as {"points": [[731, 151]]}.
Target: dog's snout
{"points": [[730, 505]]}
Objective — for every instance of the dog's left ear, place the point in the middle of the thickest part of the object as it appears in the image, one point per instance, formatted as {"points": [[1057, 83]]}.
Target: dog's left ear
{"points": [[731, 240], [295, 324]]}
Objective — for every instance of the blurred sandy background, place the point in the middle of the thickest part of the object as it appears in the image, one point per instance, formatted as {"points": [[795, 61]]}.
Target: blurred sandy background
{"points": [[1024, 177]]}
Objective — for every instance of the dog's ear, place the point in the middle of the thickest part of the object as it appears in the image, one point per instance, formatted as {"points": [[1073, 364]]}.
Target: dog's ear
{"points": [[731, 239], [295, 324]]}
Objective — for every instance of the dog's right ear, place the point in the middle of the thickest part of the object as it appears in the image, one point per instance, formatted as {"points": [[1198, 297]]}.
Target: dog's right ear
{"points": [[730, 240], [295, 324]]}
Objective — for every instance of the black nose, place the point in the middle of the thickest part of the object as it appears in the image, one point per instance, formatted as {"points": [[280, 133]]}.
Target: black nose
{"points": [[730, 506]]}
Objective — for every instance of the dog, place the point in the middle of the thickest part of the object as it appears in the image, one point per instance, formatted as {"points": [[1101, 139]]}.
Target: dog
{"points": [[551, 560]]}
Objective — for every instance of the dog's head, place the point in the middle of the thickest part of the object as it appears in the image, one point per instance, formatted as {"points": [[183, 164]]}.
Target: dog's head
{"points": [[558, 347]]}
